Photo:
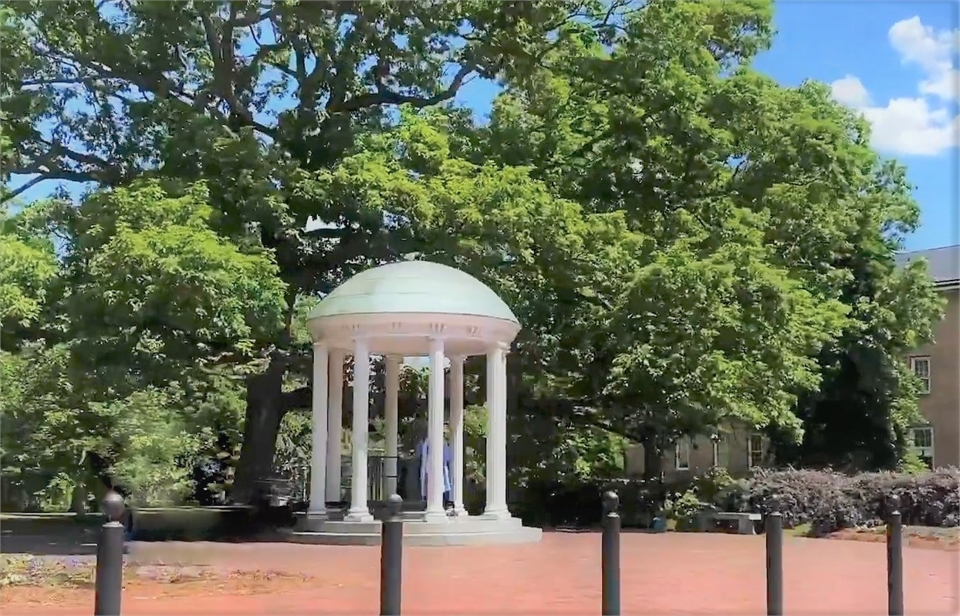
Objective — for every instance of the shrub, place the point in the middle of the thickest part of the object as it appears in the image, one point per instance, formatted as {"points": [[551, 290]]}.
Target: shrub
{"points": [[685, 508], [713, 490], [911, 464], [830, 501], [580, 503]]}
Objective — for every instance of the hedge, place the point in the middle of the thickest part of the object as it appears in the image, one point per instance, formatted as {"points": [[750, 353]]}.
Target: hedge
{"points": [[830, 501], [826, 500]]}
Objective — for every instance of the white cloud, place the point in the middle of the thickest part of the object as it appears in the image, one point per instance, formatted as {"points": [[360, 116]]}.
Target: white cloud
{"points": [[926, 125], [944, 86], [918, 44], [850, 92]]}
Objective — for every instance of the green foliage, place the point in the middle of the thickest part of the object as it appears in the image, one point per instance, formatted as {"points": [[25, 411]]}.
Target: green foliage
{"points": [[153, 450], [713, 490], [147, 440], [29, 266], [684, 509], [149, 276], [911, 464], [294, 450], [685, 241], [544, 450]]}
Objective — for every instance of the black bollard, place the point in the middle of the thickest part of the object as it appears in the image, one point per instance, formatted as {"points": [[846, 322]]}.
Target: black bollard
{"points": [[610, 556], [894, 558], [109, 572], [773, 531], [391, 558]]}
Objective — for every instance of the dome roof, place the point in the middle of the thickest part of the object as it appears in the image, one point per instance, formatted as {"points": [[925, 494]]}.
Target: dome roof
{"points": [[413, 287]]}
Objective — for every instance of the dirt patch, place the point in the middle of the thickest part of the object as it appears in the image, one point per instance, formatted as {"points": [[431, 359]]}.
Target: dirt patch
{"points": [[30, 582], [913, 536], [152, 585]]}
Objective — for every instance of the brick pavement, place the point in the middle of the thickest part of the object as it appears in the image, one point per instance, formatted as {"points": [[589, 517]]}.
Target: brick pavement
{"points": [[673, 573]]}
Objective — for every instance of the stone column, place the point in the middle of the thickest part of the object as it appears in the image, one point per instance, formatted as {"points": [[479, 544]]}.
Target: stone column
{"points": [[496, 434], [456, 433], [392, 420], [435, 512], [335, 428], [501, 457], [318, 457], [359, 512]]}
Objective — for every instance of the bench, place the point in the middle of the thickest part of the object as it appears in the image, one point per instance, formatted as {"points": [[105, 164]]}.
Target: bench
{"points": [[745, 521]]}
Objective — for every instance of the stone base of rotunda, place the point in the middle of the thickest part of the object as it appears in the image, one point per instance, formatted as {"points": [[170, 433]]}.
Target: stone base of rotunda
{"points": [[455, 530]]}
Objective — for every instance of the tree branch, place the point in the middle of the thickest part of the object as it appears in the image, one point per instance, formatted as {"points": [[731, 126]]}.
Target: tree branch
{"points": [[48, 166], [13, 194], [389, 97], [300, 398]]}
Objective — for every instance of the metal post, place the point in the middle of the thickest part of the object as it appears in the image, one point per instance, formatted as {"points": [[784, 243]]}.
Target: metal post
{"points": [[391, 558], [109, 572], [773, 530], [894, 558], [610, 556]]}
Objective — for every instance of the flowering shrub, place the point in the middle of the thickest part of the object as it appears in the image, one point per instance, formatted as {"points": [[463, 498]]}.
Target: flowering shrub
{"points": [[826, 500], [830, 501]]}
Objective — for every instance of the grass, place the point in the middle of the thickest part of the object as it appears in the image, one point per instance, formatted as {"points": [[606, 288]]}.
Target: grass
{"points": [[800, 530]]}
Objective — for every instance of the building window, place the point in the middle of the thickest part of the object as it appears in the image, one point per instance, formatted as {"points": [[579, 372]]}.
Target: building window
{"points": [[681, 454], [921, 368], [921, 444], [755, 450], [721, 452]]}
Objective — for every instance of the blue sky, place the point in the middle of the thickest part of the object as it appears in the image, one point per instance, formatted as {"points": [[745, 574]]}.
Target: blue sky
{"points": [[894, 61], [903, 57]]}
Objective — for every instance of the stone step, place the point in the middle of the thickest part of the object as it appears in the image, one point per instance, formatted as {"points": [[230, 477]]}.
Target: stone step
{"points": [[522, 534], [471, 524]]}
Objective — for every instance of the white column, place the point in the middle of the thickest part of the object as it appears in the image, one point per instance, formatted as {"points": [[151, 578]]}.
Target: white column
{"points": [[501, 457], [318, 457], [392, 389], [359, 512], [496, 434], [435, 510], [456, 433], [490, 403], [335, 428]]}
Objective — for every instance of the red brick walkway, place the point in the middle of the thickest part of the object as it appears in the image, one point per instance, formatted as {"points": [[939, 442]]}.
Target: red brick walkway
{"points": [[662, 574]]}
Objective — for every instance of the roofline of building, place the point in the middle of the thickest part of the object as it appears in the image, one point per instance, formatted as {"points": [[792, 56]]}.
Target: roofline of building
{"points": [[905, 256]]}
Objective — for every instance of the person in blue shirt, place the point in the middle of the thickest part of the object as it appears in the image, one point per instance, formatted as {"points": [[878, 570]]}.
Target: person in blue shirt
{"points": [[423, 451]]}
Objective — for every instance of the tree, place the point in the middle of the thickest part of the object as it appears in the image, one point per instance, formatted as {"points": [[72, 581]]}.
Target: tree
{"points": [[196, 91], [674, 230], [29, 265], [859, 417], [759, 211]]}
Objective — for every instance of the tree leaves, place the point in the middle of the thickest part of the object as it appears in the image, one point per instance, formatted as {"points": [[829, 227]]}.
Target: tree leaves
{"points": [[685, 241]]}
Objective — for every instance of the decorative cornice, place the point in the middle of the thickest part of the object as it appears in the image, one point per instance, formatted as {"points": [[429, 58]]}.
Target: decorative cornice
{"points": [[395, 334]]}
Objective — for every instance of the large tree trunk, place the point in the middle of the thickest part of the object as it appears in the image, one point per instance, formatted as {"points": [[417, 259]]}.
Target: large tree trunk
{"points": [[265, 410]]}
